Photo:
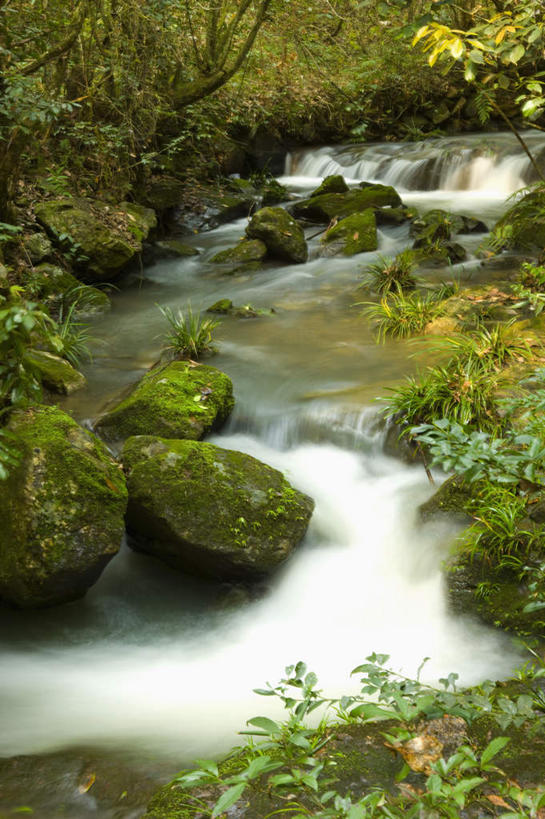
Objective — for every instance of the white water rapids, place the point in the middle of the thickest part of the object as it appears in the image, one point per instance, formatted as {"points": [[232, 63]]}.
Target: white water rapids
{"points": [[148, 663]]}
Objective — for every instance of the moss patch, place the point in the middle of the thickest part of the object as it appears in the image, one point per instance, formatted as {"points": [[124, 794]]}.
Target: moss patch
{"points": [[282, 236], [355, 234], [322, 209], [177, 400]]}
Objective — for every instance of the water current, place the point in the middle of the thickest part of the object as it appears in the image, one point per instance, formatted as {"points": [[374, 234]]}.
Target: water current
{"points": [[156, 665]]}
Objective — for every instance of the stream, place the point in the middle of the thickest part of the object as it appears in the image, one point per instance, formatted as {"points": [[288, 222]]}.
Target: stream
{"points": [[153, 668]]}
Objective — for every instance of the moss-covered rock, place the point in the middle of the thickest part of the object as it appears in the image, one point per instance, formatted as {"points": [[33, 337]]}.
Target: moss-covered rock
{"points": [[355, 234], [176, 400], [210, 511], [141, 220], [173, 249], [55, 373], [331, 184], [61, 510], [51, 284], [450, 499], [282, 236], [101, 238], [523, 225], [161, 192], [393, 216], [272, 193], [223, 307], [325, 207], [37, 247], [247, 251]]}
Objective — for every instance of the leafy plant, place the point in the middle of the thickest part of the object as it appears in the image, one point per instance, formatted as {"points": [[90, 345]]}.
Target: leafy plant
{"points": [[532, 277], [400, 315], [391, 274], [10, 455], [190, 334], [291, 761], [22, 324], [488, 348]]}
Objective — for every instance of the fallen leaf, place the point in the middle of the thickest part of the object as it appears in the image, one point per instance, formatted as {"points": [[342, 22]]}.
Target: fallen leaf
{"points": [[497, 800], [87, 783]]}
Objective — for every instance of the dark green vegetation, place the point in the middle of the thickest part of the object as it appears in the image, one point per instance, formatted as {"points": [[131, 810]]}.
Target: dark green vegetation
{"points": [[397, 749]]}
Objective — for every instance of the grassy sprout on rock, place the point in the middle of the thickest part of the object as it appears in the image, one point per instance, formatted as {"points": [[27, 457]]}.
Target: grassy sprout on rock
{"points": [[189, 334]]}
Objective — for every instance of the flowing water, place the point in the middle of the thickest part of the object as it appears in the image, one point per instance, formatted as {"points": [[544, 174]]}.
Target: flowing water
{"points": [[158, 668]]}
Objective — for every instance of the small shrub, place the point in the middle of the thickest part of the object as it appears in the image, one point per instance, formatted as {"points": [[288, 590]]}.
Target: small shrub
{"points": [[391, 274], [190, 335], [487, 347], [532, 277]]}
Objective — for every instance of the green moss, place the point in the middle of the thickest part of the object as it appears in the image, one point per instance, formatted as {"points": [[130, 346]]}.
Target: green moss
{"points": [[174, 248], [450, 499], [249, 250], [61, 510], [55, 373], [223, 306], [281, 234], [355, 234], [177, 400], [331, 184], [324, 208], [209, 510], [141, 220]]}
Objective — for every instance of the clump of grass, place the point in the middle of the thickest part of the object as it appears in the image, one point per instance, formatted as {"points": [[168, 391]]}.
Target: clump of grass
{"points": [[400, 315], [462, 394], [389, 274], [189, 334], [72, 336], [489, 348]]}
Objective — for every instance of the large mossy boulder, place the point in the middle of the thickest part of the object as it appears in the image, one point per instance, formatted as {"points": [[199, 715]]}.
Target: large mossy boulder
{"points": [[210, 511], [282, 236], [101, 238], [247, 251], [37, 247], [175, 400], [325, 207], [61, 509], [355, 234], [523, 226]]}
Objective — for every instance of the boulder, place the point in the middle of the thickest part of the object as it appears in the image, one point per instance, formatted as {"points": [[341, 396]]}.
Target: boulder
{"points": [[355, 234], [37, 247], [327, 206], [209, 511], [173, 249], [56, 374], [282, 236], [449, 500], [51, 284], [331, 184], [176, 400], [100, 238], [61, 509], [247, 251]]}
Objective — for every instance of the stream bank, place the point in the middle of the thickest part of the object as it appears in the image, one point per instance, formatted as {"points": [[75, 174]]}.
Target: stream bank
{"points": [[301, 376]]}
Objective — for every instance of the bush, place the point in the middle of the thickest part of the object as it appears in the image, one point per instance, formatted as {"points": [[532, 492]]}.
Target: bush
{"points": [[400, 315], [391, 274]]}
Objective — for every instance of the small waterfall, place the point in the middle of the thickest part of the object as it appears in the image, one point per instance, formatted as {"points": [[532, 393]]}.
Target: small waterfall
{"points": [[463, 163]]}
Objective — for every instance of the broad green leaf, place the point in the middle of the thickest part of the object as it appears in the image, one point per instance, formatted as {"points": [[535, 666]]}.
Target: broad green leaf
{"points": [[493, 748], [228, 798], [268, 725]]}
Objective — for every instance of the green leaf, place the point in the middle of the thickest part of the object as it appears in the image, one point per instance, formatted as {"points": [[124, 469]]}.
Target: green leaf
{"points": [[228, 798], [493, 748], [371, 712], [517, 53], [268, 725]]}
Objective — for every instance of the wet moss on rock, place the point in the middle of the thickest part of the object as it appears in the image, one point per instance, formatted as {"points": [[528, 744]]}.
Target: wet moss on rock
{"points": [[61, 510], [175, 400], [211, 511], [355, 234], [325, 207], [55, 373], [249, 250], [282, 236]]}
